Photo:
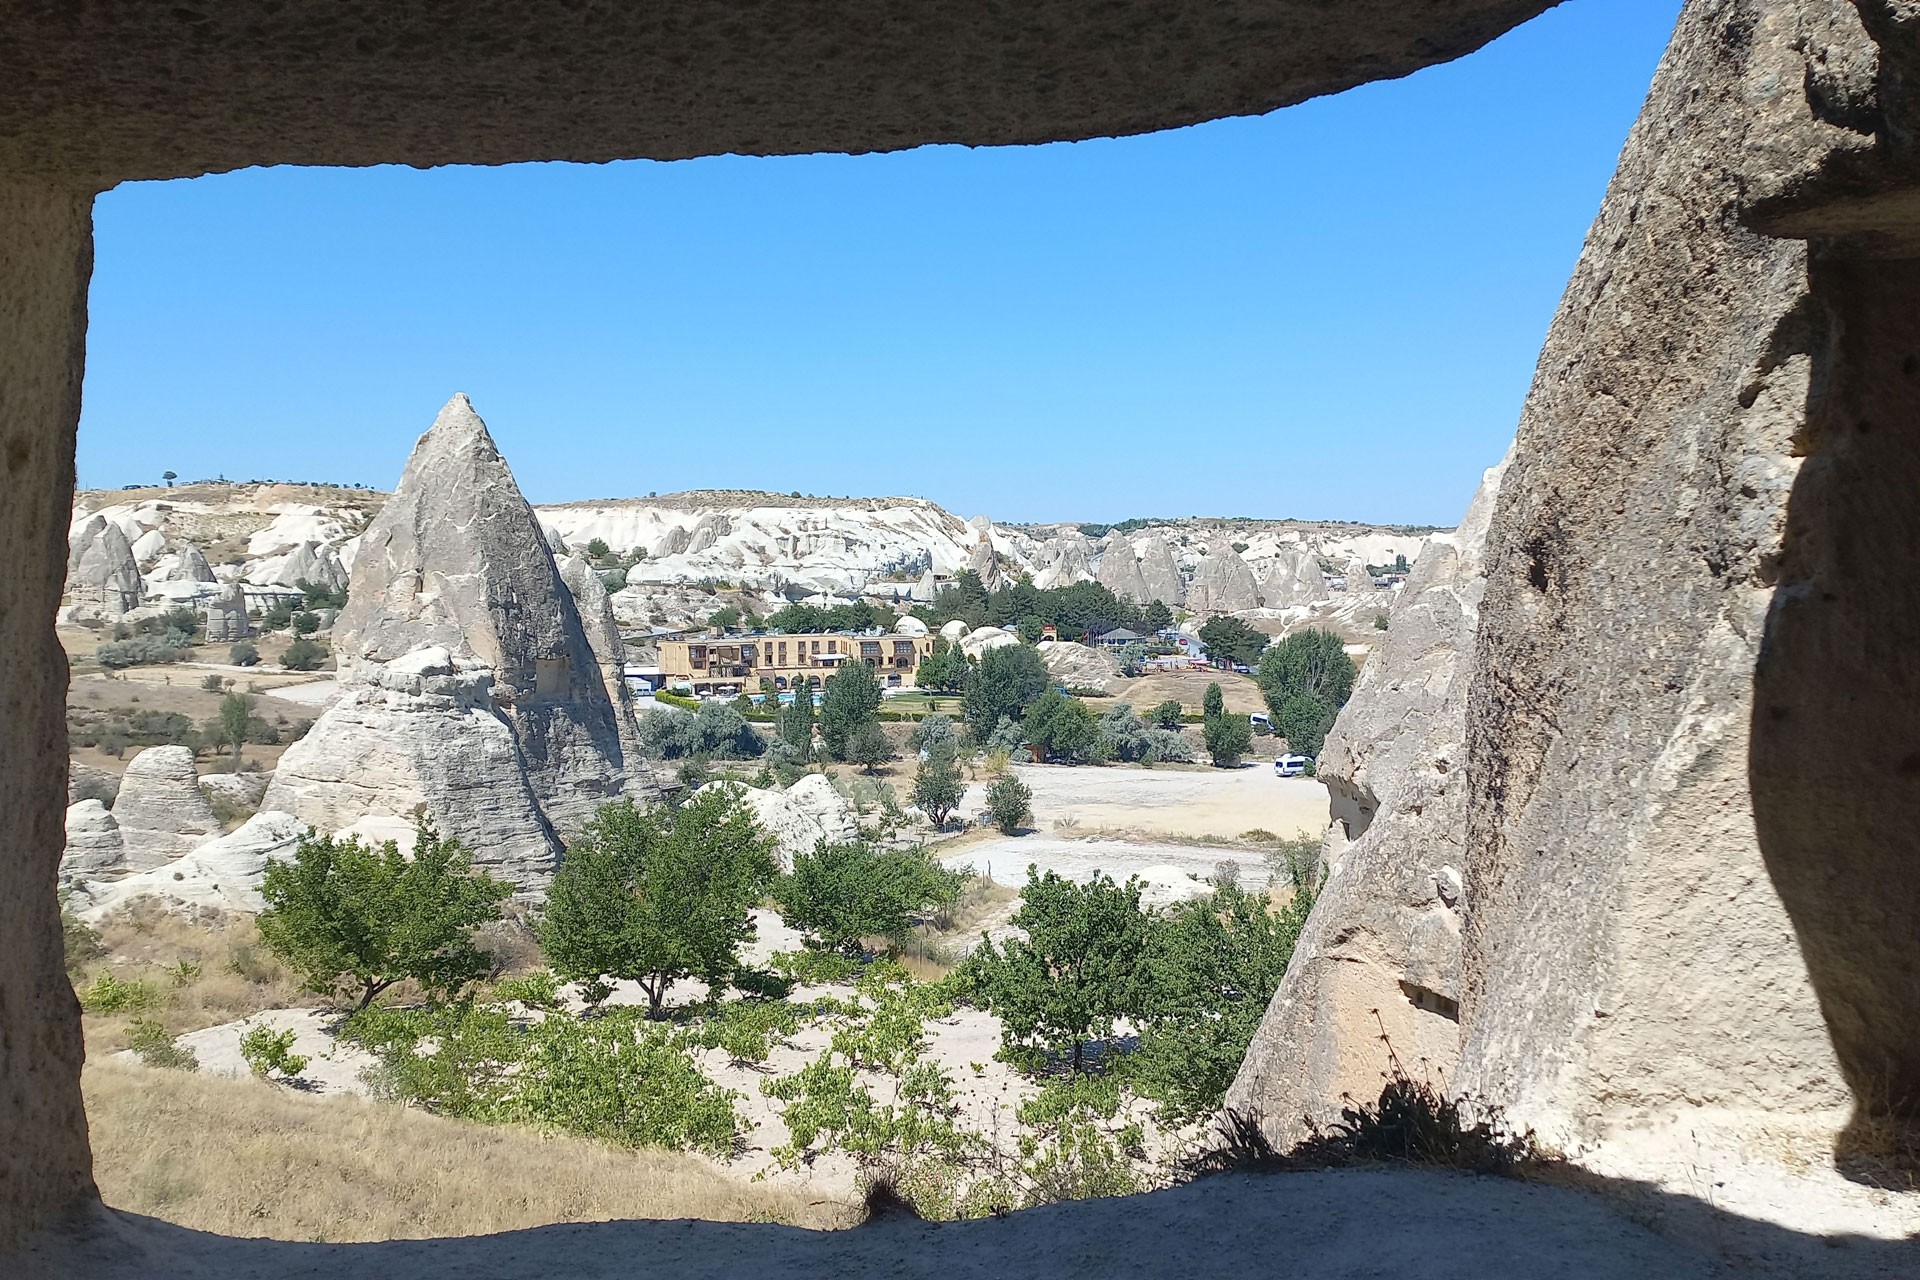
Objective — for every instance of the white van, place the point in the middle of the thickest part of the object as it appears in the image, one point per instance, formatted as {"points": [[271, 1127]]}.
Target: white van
{"points": [[1291, 766]]}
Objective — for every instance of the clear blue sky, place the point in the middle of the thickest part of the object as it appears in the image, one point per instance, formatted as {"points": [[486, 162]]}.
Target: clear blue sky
{"points": [[1329, 312]]}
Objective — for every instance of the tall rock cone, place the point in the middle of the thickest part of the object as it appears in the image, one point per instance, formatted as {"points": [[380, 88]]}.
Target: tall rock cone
{"points": [[470, 689]]}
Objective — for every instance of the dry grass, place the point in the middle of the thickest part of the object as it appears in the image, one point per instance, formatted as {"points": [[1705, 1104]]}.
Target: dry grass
{"points": [[244, 1158], [236, 975]]}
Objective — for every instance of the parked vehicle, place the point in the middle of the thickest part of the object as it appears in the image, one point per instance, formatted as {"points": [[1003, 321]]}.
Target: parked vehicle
{"points": [[1291, 766]]}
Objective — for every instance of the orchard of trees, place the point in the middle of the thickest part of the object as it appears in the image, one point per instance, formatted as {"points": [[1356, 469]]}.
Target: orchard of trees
{"points": [[1021, 606]]}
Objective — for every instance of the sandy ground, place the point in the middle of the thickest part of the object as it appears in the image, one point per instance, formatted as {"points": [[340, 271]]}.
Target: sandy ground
{"points": [[313, 694], [1172, 872], [1182, 802], [1335, 1225]]}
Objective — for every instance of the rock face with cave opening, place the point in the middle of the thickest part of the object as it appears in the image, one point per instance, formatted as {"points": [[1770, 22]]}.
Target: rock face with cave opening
{"points": [[1686, 844], [471, 690]]}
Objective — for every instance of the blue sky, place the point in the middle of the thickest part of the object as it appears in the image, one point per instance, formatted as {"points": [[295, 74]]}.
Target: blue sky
{"points": [[1329, 312]]}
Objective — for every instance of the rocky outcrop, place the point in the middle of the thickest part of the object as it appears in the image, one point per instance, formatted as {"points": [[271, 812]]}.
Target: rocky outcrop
{"points": [[313, 563], [980, 639], [1160, 573], [1686, 874], [103, 578], [1068, 561], [242, 790], [1077, 664], [710, 529], [1120, 572], [223, 874], [94, 847], [814, 795], [595, 608], [1358, 579], [190, 565], [1293, 579], [1381, 952], [1222, 583], [800, 818], [224, 615], [161, 811], [470, 689]]}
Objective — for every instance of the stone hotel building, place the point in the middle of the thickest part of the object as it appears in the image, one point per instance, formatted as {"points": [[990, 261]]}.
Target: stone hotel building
{"points": [[723, 664]]}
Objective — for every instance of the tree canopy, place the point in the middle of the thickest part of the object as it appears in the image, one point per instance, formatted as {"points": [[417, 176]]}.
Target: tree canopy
{"points": [[1007, 681], [840, 894], [1231, 640], [348, 918], [658, 895], [1307, 665], [850, 699]]}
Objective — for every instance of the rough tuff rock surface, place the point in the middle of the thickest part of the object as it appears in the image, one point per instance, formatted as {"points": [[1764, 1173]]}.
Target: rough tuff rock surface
{"points": [[469, 685], [224, 873], [800, 817], [310, 562], [191, 566], [94, 847], [161, 811], [1222, 584], [1160, 573], [590, 600], [1074, 663], [1381, 950], [103, 577], [1120, 572], [1688, 877], [1293, 578], [224, 615]]}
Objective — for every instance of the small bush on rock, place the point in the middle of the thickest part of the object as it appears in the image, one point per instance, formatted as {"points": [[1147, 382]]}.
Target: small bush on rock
{"points": [[267, 1051]]}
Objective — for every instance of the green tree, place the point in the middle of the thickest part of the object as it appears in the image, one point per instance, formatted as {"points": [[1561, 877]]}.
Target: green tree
{"points": [[170, 477], [303, 655], [244, 654], [1211, 968], [1167, 714], [235, 710], [840, 894], [867, 746], [1007, 681], [935, 733], [1133, 659], [305, 623], [1213, 702], [795, 724], [1304, 722], [850, 699], [1010, 801], [658, 895], [1306, 678], [945, 670], [1030, 628], [1227, 738], [1231, 640], [348, 918], [1156, 616], [1313, 662], [726, 618], [1076, 971], [598, 549], [1060, 727], [938, 787], [278, 617]]}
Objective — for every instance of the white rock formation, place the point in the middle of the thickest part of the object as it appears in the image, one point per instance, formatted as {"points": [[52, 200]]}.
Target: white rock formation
{"points": [[1293, 579], [1160, 573], [189, 566], [310, 562], [1077, 664], [791, 821], [978, 641], [1222, 584], [609, 650], [469, 686], [242, 789], [103, 578], [953, 632], [161, 811], [1381, 950], [909, 626], [815, 796], [1120, 571], [94, 847], [224, 615], [224, 874]]}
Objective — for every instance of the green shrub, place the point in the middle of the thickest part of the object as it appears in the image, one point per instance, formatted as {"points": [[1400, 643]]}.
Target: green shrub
{"points": [[840, 894], [80, 942], [154, 1047], [140, 651], [303, 655], [244, 654], [813, 968], [109, 994], [536, 989], [621, 1080], [1010, 801], [212, 682], [267, 1050]]}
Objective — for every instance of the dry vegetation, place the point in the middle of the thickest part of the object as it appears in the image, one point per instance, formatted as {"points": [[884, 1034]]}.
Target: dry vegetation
{"points": [[201, 972], [244, 1158]]}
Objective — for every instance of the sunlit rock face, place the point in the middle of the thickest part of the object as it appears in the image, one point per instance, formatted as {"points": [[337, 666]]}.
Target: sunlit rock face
{"points": [[471, 689]]}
